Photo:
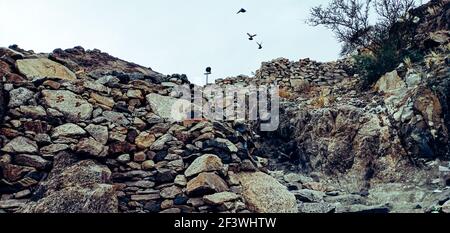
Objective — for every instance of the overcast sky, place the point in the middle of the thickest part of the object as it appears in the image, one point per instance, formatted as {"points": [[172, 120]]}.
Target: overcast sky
{"points": [[171, 36]]}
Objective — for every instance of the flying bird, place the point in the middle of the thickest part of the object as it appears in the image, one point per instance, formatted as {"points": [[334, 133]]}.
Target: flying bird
{"points": [[242, 10], [208, 70], [259, 45], [250, 36]]}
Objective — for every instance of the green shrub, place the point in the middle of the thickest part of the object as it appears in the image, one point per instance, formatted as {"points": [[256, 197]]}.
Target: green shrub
{"points": [[383, 60]]}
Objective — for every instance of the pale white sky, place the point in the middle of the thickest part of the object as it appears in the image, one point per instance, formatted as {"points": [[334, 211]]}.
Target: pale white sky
{"points": [[171, 36]]}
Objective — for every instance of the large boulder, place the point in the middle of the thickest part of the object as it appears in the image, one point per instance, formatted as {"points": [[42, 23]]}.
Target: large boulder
{"points": [[205, 163], [220, 198], [99, 198], [390, 82], [169, 108], [264, 194], [19, 97], [100, 133], [44, 68], [91, 147], [145, 140], [161, 142], [68, 130], [83, 187], [97, 64], [206, 183], [31, 161], [103, 100], [85, 173], [21, 145], [73, 106], [116, 118]]}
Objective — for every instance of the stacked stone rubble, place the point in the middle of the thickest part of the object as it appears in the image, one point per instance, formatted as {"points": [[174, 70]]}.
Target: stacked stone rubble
{"points": [[95, 131], [296, 75]]}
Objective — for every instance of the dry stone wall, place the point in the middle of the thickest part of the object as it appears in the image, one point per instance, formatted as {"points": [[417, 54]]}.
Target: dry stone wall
{"points": [[91, 136], [295, 76]]}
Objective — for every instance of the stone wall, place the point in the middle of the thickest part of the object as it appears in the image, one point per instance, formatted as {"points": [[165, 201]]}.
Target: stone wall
{"points": [[296, 75], [85, 132], [91, 137]]}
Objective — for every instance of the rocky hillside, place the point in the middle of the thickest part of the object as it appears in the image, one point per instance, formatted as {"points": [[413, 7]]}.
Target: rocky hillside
{"points": [[82, 131], [388, 144], [86, 132]]}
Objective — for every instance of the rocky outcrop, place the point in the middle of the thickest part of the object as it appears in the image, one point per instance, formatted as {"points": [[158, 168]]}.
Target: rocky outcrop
{"points": [[84, 187], [107, 139], [431, 29], [85, 132], [71, 105], [167, 107], [366, 138], [390, 133], [264, 194], [205, 163], [21, 145], [356, 141], [96, 64], [43, 68]]}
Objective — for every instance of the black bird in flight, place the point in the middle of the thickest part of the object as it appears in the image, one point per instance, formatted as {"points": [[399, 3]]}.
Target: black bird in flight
{"points": [[259, 45], [208, 70], [242, 10], [250, 36]]}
